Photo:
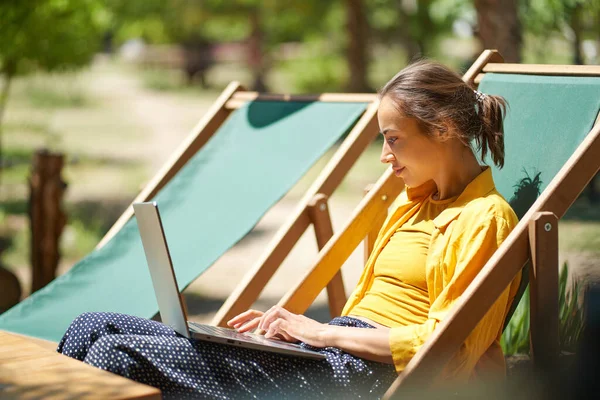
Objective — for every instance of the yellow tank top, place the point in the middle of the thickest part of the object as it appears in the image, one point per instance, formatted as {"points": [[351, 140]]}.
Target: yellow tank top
{"points": [[398, 295]]}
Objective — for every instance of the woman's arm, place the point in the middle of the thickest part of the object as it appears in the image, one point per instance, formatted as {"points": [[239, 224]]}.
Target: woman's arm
{"points": [[370, 344]]}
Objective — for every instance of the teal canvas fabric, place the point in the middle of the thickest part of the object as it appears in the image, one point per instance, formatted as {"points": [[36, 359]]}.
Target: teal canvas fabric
{"points": [[547, 119], [256, 156]]}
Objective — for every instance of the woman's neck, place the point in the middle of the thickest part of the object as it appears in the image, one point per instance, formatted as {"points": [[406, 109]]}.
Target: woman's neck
{"points": [[456, 172]]}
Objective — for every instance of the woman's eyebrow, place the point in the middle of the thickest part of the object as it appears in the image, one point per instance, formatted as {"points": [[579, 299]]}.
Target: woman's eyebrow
{"points": [[383, 132]]}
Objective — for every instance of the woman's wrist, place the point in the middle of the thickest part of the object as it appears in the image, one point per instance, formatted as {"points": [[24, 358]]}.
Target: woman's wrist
{"points": [[327, 335]]}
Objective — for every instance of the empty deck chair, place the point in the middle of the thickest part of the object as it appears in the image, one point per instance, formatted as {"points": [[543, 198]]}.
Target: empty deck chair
{"points": [[246, 153]]}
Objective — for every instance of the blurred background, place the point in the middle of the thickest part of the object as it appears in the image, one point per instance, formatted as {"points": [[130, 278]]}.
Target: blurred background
{"points": [[111, 87]]}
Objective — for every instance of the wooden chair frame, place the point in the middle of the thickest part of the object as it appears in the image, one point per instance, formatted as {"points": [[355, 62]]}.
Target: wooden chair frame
{"points": [[312, 208], [535, 238]]}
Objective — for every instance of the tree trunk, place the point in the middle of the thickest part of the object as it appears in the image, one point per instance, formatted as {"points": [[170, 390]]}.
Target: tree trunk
{"points": [[356, 54], [427, 29], [499, 27], [8, 73], [577, 28], [256, 56], [47, 219], [408, 42]]}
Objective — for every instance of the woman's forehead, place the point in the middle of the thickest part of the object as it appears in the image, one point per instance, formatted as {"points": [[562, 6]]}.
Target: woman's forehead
{"points": [[389, 113]]}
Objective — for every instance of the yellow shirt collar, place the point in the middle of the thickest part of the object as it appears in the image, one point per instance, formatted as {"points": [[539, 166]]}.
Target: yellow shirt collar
{"points": [[478, 187]]}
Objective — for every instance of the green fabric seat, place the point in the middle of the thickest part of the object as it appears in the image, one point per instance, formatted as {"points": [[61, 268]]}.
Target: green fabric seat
{"points": [[254, 158], [547, 119]]}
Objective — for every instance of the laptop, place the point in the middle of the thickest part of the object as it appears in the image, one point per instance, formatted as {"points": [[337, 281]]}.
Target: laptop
{"points": [[170, 303]]}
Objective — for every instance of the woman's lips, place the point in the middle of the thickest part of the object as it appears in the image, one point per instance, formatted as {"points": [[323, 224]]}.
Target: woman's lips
{"points": [[398, 171]]}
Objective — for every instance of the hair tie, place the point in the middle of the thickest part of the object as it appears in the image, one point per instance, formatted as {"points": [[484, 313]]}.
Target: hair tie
{"points": [[479, 96]]}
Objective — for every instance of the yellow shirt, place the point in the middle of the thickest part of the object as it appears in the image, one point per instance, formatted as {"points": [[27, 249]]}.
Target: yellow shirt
{"points": [[398, 295], [465, 236]]}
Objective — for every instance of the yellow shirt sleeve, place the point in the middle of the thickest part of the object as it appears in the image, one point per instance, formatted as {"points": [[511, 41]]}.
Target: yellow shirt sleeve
{"points": [[464, 256]]}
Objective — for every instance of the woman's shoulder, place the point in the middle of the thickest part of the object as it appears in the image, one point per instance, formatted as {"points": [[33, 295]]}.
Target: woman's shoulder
{"points": [[491, 206]]}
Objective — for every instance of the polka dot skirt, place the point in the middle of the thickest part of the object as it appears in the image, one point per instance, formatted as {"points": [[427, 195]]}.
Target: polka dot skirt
{"points": [[152, 353]]}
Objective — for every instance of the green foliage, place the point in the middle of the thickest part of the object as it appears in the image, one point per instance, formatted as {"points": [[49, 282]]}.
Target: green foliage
{"points": [[79, 239], [320, 74], [515, 339], [416, 25], [48, 34], [318, 67], [544, 16], [570, 312], [163, 80]]}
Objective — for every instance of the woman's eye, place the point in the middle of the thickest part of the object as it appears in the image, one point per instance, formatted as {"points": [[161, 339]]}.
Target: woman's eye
{"points": [[391, 140]]}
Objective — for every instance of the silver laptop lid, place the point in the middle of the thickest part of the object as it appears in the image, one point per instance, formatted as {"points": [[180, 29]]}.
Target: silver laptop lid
{"points": [[161, 267]]}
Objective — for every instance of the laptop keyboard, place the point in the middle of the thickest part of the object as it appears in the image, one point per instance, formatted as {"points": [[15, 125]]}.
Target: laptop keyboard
{"points": [[226, 332]]}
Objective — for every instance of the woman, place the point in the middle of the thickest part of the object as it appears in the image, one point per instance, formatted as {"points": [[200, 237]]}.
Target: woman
{"points": [[449, 221]]}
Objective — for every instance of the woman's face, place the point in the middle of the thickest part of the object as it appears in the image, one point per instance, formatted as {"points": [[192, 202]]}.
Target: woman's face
{"points": [[412, 154]]}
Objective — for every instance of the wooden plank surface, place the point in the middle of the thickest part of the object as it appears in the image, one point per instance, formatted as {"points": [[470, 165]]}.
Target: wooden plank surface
{"points": [[29, 371], [486, 56], [339, 248], [241, 98], [543, 69], [369, 242], [318, 210], [543, 290]]}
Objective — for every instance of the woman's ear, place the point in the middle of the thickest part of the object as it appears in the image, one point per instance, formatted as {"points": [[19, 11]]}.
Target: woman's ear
{"points": [[443, 133]]}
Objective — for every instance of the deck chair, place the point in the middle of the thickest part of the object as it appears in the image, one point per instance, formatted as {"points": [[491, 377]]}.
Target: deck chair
{"points": [[552, 152], [240, 159]]}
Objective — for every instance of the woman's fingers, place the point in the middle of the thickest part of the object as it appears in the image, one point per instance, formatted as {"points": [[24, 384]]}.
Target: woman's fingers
{"points": [[273, 314], [248, 326], [277, 330], [244, 317]]}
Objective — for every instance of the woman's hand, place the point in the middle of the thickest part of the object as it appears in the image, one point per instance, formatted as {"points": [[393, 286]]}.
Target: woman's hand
{"points": [[246, 321], [280, 323]]}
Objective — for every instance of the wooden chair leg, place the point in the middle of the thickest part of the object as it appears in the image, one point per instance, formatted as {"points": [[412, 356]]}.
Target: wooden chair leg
{"points": [[543, 281], [321, 219], [371, 237]]}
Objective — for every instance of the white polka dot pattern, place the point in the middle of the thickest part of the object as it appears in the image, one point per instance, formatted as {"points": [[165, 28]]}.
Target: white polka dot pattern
{"points": [[152, 353]]}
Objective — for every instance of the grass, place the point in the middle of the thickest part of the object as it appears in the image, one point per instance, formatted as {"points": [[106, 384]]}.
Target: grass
{"points": [[579, 236], [515, 339], [56, 90]]}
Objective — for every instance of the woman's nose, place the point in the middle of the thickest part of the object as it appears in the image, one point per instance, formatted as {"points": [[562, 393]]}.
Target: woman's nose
{"points": [[386, 156]]}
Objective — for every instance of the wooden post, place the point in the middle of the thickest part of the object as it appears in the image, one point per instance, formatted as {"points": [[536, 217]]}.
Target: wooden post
{"points": [[371, 237], [318, 212], [341, 246], [47, 219], [543, 290], [488, 56]]}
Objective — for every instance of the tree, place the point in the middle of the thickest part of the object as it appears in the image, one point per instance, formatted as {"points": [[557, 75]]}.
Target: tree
{"points": [[499, 27], [415, 25], [45, 35], [356, 53], [265, 25], [573, 19]]}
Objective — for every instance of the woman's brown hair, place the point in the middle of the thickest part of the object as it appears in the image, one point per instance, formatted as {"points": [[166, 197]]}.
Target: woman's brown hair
{"points": [[441, 101]]}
